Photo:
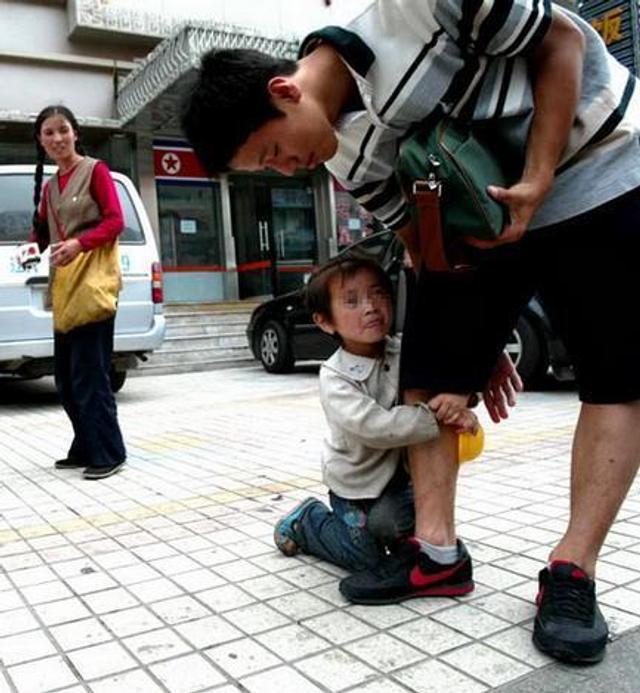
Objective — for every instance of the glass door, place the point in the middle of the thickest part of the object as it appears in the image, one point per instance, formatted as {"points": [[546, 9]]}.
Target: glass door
{"points": [[274, 228], [293, 232], [251, 232]]}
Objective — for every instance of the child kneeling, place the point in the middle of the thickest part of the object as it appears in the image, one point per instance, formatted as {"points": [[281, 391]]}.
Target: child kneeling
{"points": [[369, 489]]}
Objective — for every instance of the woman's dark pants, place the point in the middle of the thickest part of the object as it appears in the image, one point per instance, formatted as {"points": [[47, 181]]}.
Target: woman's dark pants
{"points": [[82, 362]]}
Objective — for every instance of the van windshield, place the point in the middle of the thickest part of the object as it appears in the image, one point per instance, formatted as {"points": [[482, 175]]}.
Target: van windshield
{"points": [[16, 210]]}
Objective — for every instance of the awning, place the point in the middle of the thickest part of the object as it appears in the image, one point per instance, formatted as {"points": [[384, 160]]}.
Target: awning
{"points": [[149, 97]]}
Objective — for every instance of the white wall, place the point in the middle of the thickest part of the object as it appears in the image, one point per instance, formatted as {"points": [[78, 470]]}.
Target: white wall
{"points": [[271, 17], [29, 88], [40, 29], [34, 36]]}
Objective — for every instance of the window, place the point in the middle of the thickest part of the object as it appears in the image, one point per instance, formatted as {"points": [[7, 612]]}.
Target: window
{"points": [[190, 225], [132, 232], [16, 210]]}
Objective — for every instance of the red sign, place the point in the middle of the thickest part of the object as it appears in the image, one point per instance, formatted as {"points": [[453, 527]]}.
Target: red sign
{"points": [[177, 162]]}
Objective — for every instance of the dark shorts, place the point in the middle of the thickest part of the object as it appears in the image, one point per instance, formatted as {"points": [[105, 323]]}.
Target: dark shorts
{"points": [[586, 272]]}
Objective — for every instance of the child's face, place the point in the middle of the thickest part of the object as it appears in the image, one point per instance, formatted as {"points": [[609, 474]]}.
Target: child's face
{"points": [[302, 138], [361, 313]]}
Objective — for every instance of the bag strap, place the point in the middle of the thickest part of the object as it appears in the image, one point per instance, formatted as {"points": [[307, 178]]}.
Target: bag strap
{"points": [[61, 234], [432, 252]]}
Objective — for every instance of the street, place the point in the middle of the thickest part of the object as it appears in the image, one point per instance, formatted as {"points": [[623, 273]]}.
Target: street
{"points": [[165, 577]]}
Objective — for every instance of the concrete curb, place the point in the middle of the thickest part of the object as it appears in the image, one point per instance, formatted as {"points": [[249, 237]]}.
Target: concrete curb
{"points": [[619, 671]]}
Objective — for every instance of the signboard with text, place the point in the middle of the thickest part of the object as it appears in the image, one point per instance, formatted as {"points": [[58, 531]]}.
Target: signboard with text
{"points": [[617, 22]]}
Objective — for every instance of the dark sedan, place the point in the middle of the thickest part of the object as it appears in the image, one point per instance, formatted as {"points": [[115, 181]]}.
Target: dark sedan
{"points": [[281, 331]]}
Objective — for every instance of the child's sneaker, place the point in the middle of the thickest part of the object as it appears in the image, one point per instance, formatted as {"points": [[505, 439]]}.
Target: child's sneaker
{"points": [[408, 574], [285, 535]]}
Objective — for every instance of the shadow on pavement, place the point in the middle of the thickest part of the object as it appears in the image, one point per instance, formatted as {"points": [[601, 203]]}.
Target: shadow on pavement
{"points": [[40, 391]]}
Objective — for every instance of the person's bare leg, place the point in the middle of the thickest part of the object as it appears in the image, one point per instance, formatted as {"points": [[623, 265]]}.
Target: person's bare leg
{"points": [[606, 452], [434, 472], [606, 456], [424, 572]]}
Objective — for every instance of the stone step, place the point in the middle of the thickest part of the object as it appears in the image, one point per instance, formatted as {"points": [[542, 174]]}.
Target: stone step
{"points": [[202, 336], [151, 368], [201, 329], [179, 356], [179, 320], [179, 343], [220, 307]]}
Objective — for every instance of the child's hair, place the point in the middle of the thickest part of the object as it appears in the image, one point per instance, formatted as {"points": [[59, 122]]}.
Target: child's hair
{"points": [[345, 266], [229, 101], [39, 226]]}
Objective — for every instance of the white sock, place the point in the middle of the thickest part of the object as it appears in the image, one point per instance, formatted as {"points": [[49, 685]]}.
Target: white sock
{"points": [[439, 554]]}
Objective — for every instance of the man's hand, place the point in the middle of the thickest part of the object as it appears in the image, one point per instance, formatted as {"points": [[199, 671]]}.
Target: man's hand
{"points": [[65, 252], [522, 200], [500, 393]]}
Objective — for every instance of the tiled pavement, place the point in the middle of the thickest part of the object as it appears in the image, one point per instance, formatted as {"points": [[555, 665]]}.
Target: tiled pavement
{"points": [[164, 578]]}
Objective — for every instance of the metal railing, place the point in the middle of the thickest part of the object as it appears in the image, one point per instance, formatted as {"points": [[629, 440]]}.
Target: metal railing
{"points": [[181, 52]]}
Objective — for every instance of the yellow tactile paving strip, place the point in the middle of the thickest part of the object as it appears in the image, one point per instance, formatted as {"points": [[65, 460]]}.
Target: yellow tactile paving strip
{"points": [[165, 508]]}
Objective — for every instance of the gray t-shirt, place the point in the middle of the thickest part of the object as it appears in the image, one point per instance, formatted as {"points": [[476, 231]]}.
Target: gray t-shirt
{"points": [[415, 61]]}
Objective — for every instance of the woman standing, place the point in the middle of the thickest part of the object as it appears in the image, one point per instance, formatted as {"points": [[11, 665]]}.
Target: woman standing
{"points": [[78, 214]]}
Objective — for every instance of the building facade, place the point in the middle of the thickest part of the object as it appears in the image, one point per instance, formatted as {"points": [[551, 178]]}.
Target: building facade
{"points": [[121, 66]]}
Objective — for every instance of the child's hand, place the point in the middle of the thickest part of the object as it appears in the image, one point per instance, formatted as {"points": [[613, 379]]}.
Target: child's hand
{"points": [[465, 422], [447, 406]]}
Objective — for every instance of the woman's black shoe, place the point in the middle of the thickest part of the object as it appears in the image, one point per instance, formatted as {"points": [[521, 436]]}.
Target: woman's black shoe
{"points": [[102, 472], [70, 463]]}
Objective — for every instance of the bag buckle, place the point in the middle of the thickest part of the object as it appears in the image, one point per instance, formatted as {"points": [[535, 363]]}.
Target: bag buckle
{"points": [[429, 184], [432, 182]]}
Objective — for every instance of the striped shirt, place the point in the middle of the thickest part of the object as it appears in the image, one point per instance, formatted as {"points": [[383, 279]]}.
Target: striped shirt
{"points": [[415, 61]]}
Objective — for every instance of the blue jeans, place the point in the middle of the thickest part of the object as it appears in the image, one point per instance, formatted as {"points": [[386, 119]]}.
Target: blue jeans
{"points": [[354, 534]]}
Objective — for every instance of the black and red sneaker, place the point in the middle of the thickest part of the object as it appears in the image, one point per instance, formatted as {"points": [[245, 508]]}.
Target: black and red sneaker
{"points": [[569, 625], [408, 574]]}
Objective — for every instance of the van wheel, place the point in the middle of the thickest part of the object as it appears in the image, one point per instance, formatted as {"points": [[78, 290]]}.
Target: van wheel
{"points": [[117, 379], [528, 353], [274, 348]]}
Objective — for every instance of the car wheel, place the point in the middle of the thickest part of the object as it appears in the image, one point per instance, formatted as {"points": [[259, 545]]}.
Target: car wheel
{"points": [[274, 348], [528, 353], [117, 379]]}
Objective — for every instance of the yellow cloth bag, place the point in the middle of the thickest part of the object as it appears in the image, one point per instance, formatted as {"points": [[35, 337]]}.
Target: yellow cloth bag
{"points": [[86, 290]]}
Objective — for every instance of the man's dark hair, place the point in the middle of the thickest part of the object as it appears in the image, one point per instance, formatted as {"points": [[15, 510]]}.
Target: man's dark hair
{"points": [[345, 266], [229, 101]]}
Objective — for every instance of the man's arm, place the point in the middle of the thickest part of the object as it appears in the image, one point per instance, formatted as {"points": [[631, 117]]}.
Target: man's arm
{"points": [[557, 74]]}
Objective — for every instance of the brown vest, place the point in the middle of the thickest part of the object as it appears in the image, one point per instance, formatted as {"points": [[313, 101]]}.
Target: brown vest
{"points": [[73, 209], [87, 289]]}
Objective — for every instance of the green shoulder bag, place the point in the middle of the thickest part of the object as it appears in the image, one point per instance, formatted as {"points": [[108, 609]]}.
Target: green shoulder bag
{"points": [[452, 164]]}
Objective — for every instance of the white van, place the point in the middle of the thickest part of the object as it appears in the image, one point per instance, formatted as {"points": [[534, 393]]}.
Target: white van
{"points": [[26, 331]]}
